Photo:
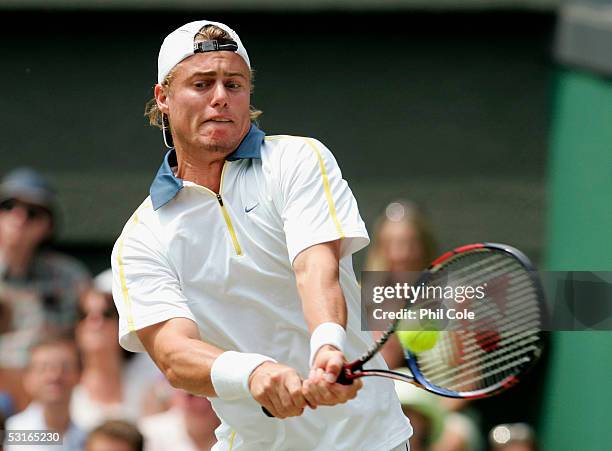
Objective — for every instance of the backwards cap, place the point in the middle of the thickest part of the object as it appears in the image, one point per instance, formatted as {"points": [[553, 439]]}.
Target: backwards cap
{"points": [[179, 45]]}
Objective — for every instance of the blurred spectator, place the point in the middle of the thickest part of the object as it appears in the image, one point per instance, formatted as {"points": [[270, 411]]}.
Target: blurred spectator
{"points": [[435, 427], [512, 437], [425, 412], [403, 241], [188, 426], [115, 435], [52, 372], [113, 382], [39, 289]]}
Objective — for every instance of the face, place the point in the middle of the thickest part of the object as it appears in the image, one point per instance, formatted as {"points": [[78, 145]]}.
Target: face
{"points": [[97, 327], [23, 224], [52, 374], [103, 443], [402, 247], [208, 101]]}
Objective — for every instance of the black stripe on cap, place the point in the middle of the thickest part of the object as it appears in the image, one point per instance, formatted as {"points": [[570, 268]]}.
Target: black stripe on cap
{"points": [[214, 46]]}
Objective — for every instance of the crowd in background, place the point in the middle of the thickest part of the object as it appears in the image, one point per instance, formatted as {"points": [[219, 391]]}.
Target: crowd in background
{"points": [[62, 369]]}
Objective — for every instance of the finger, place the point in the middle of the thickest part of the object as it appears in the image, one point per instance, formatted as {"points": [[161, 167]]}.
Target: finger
{"points": [[333, 367], [265, 401], [294, 387], [277, 404], [286, 401], [312, 392], [344, 393]]}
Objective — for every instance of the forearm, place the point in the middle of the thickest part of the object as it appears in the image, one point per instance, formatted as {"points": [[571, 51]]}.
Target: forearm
{"points": [[187, 365], [186, 361], [322, 297]]}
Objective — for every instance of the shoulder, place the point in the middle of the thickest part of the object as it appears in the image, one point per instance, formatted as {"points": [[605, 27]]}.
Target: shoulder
{"points": [[30, 418], [289, 150], [143, 216]]}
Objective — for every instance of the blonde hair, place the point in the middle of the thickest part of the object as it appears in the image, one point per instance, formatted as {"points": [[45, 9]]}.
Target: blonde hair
{"points": [[407, 213], [206, 33]]}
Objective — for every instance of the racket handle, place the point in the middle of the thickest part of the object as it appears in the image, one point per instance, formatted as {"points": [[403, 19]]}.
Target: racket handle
{"points": [[342, 379]]}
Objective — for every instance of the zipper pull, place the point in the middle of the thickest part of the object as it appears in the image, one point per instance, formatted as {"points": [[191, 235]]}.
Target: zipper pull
{"points": [[219, 199]]}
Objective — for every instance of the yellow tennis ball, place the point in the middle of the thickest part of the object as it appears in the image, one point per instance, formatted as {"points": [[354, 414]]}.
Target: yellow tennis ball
{"points": [[418, 340]]}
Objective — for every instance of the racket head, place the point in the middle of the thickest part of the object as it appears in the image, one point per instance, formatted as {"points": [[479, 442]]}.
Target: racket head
{"points": [[493, 356], [485, 361]]}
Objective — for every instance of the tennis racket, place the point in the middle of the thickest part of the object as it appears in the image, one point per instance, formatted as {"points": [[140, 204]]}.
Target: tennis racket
{"points": [[483, 357]]}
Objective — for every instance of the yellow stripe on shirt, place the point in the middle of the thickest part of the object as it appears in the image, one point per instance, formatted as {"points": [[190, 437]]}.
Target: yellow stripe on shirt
{"points": [[124, 290], [330, 199], [232, 437]]}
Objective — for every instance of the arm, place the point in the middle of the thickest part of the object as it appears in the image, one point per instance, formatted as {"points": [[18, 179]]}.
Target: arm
{"points": [[187, 362], [177, 350], [317, 275]]}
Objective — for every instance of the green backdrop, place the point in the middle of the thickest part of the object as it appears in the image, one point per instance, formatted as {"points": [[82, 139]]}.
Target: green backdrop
{"points": [[577, 405]]}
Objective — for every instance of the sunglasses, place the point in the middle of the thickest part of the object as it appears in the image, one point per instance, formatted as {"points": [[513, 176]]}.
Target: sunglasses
{"points": [[33, 212], [108, 313]]}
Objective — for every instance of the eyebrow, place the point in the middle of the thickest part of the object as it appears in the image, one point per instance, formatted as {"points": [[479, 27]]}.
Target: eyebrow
{"points": [[212, 73]]}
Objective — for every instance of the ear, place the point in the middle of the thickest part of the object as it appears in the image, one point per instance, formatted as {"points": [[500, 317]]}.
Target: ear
{"points": [[161, 97]]}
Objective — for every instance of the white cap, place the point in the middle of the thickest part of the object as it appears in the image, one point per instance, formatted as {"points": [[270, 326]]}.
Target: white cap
{"points": [[178, 45], [103, 282]]}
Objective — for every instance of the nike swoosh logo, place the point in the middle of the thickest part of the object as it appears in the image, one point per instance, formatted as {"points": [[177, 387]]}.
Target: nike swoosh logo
{"points": [[246, 209]]}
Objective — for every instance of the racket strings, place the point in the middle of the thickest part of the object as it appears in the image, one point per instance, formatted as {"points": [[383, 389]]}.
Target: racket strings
{"points": [[505, 336], [519, 353]]}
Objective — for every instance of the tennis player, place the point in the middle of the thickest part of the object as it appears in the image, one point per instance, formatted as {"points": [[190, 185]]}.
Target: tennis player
{"points": [[235, 274]]}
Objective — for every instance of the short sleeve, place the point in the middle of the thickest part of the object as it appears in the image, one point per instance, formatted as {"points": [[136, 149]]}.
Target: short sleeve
{"points": [[146, 290], [317, 203]]}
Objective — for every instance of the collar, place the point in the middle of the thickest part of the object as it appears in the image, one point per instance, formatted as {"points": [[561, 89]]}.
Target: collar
{"points": [[166, 185]]}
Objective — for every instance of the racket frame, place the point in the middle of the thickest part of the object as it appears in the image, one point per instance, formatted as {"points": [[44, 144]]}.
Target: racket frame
{"points": [[354, 369]]}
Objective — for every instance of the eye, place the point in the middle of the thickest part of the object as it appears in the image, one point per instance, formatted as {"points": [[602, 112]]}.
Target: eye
{"points": [[201, 84], [233, 85]]}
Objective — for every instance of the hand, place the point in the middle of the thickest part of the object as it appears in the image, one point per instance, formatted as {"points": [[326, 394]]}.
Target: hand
{"points": [[321, 389], [278, 388]]}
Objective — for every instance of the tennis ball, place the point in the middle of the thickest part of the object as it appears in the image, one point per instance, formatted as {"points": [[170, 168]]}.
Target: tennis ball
{"points": [[418, 340]]}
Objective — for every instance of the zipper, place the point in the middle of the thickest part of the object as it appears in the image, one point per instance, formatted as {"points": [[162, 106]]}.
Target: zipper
{"points": [[226, 216], [228, 221]]}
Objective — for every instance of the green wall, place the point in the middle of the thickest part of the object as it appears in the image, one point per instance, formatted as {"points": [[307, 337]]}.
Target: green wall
{"points": [[577, 395]]}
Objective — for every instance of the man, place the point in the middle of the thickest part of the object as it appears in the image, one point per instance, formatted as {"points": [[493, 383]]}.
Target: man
{"points": [[53, 371], [236, 273], [115, 435], [39, 289], [188, 426]]}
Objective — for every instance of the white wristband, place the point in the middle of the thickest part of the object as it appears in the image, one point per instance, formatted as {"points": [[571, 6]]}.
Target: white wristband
{"points": [[326, 334], [230, 373]]}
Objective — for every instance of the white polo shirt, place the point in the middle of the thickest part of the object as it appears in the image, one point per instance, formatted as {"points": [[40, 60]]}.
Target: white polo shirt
{"points": [[225, 261]]}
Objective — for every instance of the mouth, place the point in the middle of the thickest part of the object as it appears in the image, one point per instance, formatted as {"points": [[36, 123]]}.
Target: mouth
{"points": [[218, 119]]}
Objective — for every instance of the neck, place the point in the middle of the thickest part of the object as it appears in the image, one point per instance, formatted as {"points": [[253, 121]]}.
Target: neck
{"points": [[57, 416], [17, 258], [203, 168], [102, 376], [203, 437]]}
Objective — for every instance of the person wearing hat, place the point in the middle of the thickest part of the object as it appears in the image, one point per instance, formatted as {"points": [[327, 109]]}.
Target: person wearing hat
{"points": [[235, 274], [39, 288]]}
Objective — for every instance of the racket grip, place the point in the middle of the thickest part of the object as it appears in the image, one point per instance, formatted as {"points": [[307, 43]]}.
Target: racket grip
{"points": [[342, 379]]}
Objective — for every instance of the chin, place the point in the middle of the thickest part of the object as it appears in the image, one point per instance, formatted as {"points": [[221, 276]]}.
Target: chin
{"points": [[220, 143]]}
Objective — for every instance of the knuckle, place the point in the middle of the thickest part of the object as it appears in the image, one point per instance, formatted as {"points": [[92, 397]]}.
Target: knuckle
{"points": [[276, 377]]}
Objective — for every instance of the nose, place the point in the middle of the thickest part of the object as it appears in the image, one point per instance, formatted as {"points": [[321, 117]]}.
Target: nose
{"points": [[220, 97], [19, 214]]}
